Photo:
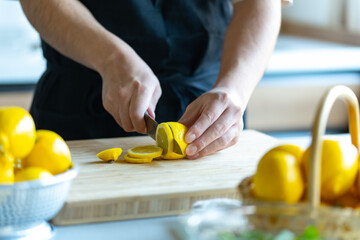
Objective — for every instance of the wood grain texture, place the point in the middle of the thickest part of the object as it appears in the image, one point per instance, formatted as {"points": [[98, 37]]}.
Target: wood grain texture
{"points": [[115, 191]]}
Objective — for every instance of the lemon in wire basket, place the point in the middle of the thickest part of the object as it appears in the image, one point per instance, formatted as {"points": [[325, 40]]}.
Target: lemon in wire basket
{"points": [[35, 176]]}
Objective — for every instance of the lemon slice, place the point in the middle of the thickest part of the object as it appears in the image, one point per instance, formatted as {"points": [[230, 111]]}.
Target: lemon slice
{"points": [[164, 138], [146, 151], [165, 134], [129, 159], [111, 154]]}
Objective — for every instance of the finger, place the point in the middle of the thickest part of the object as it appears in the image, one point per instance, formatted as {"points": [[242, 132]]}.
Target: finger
{"points": [[138, 105], [154, 100], [123, 107], [207, 117], [116, 116], [216, 130], [226, 140], [151, 112], [108, 104]]}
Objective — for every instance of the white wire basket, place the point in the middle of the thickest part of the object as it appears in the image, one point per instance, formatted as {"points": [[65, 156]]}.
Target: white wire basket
{"points": [[25, 207]]}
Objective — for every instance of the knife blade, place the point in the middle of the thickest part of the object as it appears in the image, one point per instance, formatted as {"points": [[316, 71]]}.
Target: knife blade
{"points": [[151, 126]]}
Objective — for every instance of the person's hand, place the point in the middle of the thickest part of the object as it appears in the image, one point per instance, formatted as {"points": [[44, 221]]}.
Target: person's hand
{"points": [[215, 122], [129, 89]]}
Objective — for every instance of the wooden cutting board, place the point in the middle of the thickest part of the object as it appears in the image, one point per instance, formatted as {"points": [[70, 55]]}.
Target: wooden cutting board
{"points": [[116, 191]]}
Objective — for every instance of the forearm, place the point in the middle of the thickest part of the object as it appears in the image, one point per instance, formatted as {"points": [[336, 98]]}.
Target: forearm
{"points": [[70, 28], [248, 45]]}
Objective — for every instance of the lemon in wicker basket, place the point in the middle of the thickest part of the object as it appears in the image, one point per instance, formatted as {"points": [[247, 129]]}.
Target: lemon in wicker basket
{"points": [[336, 219], [339, 167], [278, 176]]}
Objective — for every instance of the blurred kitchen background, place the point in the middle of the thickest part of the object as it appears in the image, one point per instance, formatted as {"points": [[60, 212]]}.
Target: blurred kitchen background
{"points": [[319, 46]]}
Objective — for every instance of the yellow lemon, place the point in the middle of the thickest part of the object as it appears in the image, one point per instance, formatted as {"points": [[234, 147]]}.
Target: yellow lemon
{"points": [[278, 178], [339, 166], [31, 173], [50, 152], [165, 135], [129, 159], [146, 151], [294, 150], [17, 131], [6, 168], [111, 154]]}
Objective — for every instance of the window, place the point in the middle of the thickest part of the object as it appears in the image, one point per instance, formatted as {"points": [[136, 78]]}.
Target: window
{"points": [[21, 60]]}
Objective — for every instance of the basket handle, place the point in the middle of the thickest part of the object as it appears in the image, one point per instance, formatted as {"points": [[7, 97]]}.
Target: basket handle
{"points": [[318, 132]]}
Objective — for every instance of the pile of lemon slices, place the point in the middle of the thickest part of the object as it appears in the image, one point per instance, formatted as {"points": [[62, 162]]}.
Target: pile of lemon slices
{"points": [[166, 134]]}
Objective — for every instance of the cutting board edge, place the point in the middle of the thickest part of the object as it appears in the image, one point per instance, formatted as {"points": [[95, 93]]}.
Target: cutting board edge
{"points": [[139, 207]]}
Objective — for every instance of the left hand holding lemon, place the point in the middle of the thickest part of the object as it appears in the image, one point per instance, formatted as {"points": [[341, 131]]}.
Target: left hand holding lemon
{"points": [[215, 122]]}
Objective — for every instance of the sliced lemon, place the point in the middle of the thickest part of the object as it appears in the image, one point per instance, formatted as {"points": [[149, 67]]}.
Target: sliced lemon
{"points": [[129, 159], [111, 154], [146, 151], [165, 135], [179, 130], [164, 138]]}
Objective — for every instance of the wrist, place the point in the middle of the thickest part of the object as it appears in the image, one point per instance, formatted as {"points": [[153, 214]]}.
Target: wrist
{"points": [[112, 56]]}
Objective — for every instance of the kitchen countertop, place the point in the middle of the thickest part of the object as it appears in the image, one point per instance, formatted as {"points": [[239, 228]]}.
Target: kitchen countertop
{"points": [[22, 62], [152, 228]]}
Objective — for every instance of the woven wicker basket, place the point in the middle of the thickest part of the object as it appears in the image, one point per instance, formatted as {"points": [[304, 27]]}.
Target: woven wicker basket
{"points": [[332, 222]]}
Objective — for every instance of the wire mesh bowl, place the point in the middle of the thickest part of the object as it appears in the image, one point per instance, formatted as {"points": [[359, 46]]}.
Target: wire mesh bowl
{"points": [[333, 222], [25, 207]]}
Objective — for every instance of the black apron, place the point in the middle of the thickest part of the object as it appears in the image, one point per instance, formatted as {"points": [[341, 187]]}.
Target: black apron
{"points": [[181, 41]]}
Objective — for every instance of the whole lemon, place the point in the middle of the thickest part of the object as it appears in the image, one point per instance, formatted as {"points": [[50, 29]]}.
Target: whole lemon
{"points": [[339, 167], [6, 168], [17, 131], [31, 173], [50, 152], [278, 176], [294, 150]]}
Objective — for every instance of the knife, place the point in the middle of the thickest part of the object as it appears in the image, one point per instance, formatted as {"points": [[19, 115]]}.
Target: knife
{"points": [[151, 126]]}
